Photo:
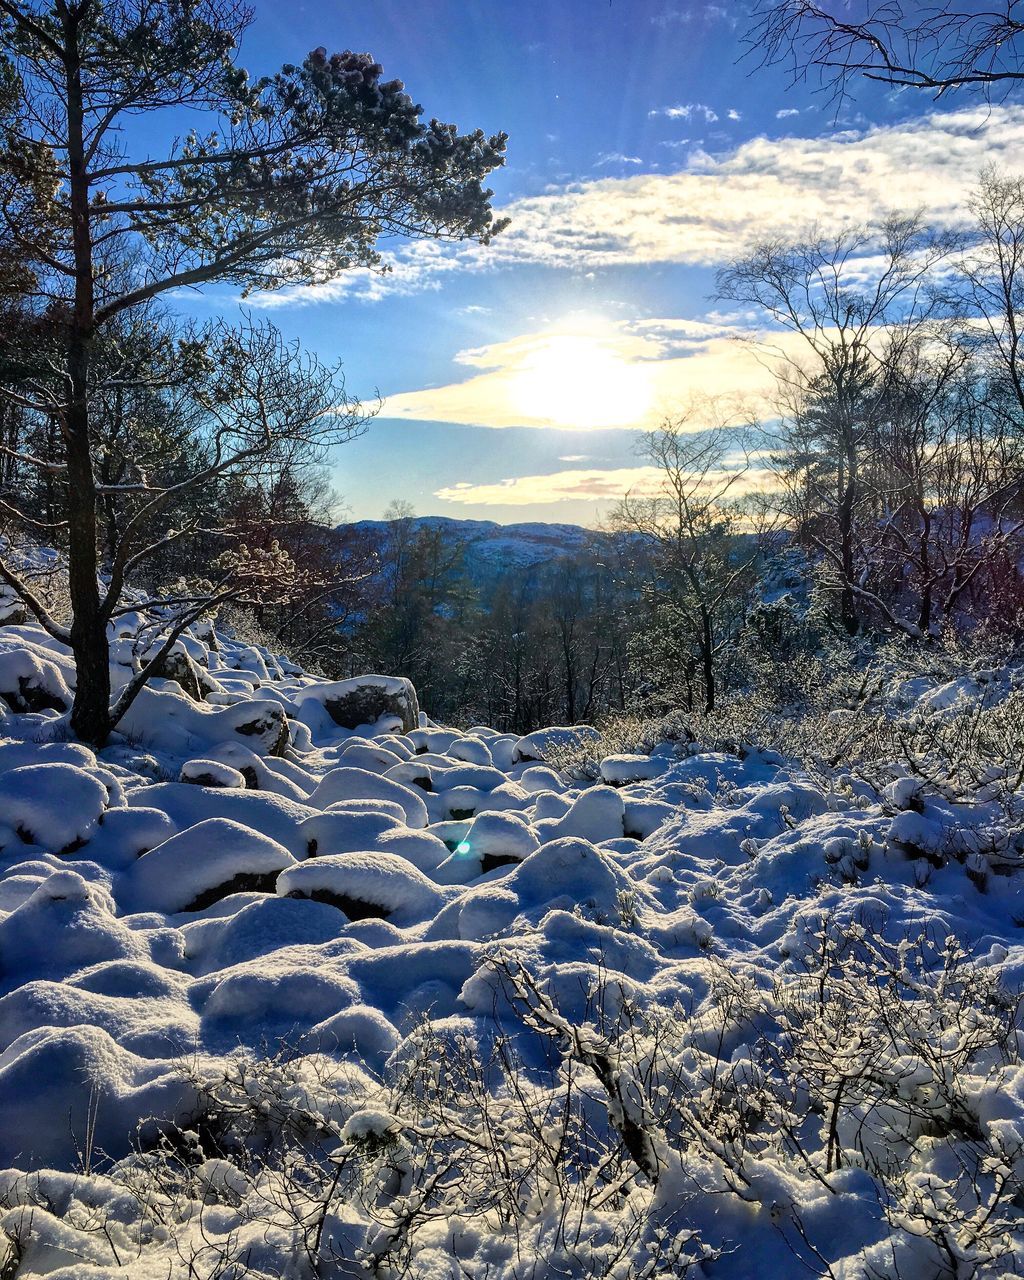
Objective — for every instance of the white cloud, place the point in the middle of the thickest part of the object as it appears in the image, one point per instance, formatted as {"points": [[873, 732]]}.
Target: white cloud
{"points": [[616, 157], [560, 486], [592, 485], [733, 114], [703, 13], [687, 111], [586, 375], [706, 212], [786, 112]]}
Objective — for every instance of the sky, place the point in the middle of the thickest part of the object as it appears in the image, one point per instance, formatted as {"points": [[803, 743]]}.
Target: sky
{"points": [[644, 152]]}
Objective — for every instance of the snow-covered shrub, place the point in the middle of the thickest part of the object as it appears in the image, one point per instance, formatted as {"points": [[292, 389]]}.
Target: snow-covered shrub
{"points": [[618, 735]]}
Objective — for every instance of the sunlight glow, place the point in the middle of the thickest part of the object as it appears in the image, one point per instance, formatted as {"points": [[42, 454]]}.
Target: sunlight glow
{"points": [[580, 379]]}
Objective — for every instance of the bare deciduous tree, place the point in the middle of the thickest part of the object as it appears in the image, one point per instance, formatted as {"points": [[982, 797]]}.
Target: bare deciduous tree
{"points": [[939, 48]]}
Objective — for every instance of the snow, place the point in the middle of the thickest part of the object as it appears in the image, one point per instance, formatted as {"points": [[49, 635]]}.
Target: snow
{"points": [[346, 783], [536, 745], [211, 773], [52, 805], [619, 771], [365, 884], [212, 857], [241, 894]]}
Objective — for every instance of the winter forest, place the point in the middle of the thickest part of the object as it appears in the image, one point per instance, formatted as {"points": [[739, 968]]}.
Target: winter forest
{"points": [[511, 640]]}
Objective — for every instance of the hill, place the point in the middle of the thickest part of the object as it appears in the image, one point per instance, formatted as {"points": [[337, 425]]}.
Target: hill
{"points": [[493, 548]]}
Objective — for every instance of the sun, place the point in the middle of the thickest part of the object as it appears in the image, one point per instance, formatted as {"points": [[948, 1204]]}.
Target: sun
{"points": [[580, 378]]}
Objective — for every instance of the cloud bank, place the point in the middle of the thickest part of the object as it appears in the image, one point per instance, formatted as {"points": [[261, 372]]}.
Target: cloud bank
{"points": [[705, 213], [605, 375]]}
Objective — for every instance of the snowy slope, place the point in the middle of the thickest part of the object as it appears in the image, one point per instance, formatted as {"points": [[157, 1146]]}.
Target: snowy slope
{"points": [[734, 1037]]}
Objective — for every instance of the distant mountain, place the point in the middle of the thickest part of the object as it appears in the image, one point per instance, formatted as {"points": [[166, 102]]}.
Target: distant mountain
{"points": [[492, 548]]}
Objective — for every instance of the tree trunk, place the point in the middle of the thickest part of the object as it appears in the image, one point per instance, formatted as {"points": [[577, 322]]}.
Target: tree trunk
{"points": [[90, 714], [847, 503], [707, 657]]}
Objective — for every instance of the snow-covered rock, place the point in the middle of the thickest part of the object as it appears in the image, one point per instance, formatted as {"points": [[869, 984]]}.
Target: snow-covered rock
{"points": [[52, 805], [620, 771], [198, 867], [366, 701], [365, 884], [211, 773], [537, 745]]}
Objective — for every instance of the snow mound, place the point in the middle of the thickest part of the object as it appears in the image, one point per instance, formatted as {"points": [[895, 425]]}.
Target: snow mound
{"points": [[57, 806], [364, 885], [359, 784], [620, 771], [207, 862]]}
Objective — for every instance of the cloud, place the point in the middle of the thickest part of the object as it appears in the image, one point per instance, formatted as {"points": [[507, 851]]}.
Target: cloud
{"points": [[560, 486], [702, 13], [786, 112], [689, 111], [589, 375], [704, 213], [733, 114], [578, 485], [573, 457], [616, 157]]}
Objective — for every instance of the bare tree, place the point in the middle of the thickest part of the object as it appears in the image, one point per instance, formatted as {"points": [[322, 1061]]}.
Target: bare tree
{"points": [[939, 48], [855, 299], [705, 552]]}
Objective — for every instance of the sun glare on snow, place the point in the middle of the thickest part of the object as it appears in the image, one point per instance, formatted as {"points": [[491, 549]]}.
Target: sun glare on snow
{"points": [[580, 379]]}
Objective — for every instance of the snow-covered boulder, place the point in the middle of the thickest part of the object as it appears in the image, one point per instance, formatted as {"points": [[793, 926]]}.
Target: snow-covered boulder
{"points": [[471, 749], [57, 806], [499, 839], [570, 874], [273, 816], [57, 1084], [357, 784], [65, 925], [410, 773], [30, 682], [265, 773], [164, 720], [203, 864], [596, 814], [211, 773], [364, 885], [424, 850], [130, 832], [360, 754], [432, 740], [620, 771], [347, 831], [641, 818], [365, 700]]}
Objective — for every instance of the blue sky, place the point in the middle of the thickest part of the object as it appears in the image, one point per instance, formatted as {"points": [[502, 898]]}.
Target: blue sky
{"points": [[642, 153]]}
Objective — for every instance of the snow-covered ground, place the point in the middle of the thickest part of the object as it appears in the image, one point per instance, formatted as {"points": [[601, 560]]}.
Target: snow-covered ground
{"points": [[285, 996]]}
